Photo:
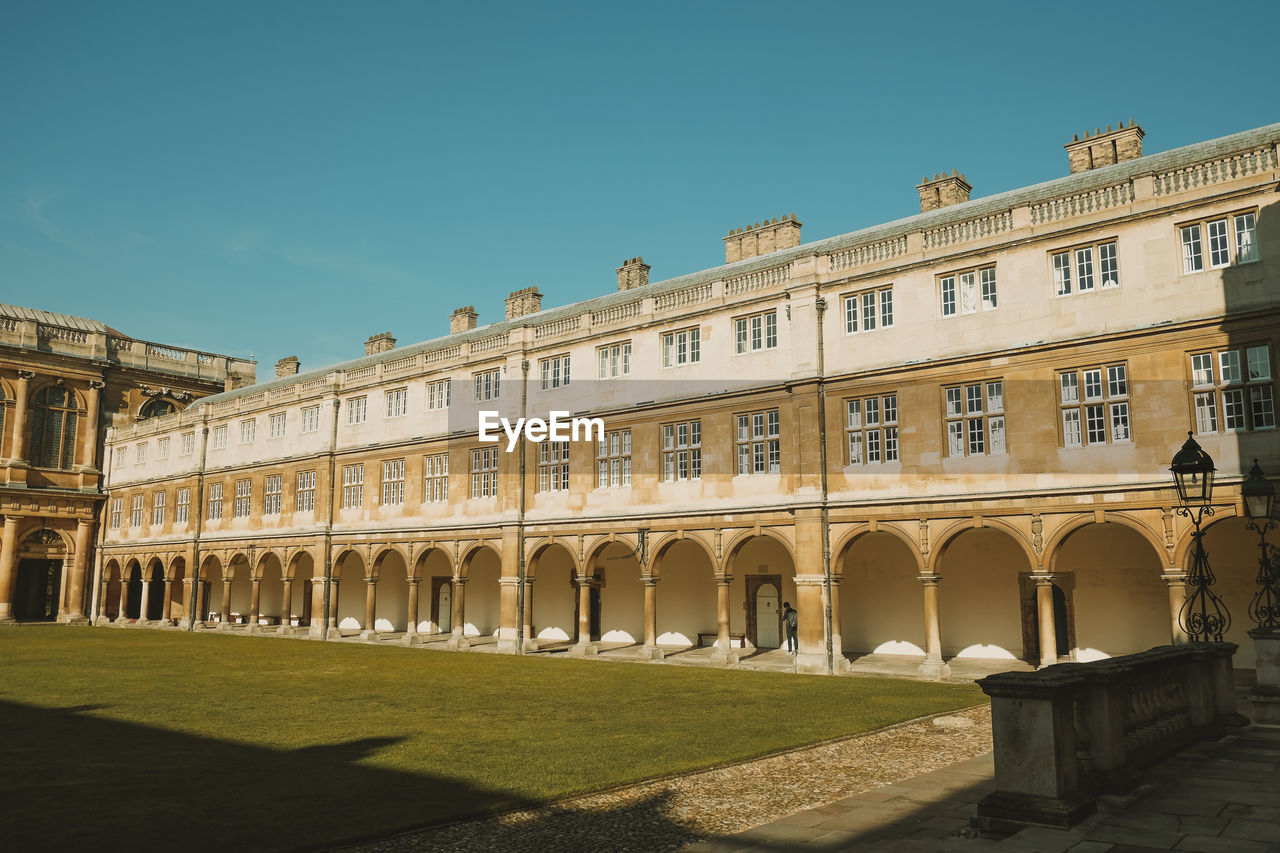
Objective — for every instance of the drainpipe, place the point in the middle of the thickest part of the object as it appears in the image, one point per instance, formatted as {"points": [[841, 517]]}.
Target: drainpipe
{"points": [[821, 306], [195, 542], [520, 566], [95, 597], [328, 521]]}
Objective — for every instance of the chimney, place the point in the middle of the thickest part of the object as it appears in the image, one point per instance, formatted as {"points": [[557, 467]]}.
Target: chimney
{"points": [[1104, 147], [634, 272], [762, 238], [288, 366], [943, 190], [527, 300], [463, 319], [379, 343]]}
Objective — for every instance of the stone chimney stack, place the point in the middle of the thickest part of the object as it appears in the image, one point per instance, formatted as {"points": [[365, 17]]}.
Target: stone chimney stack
{"points": [[762, 238], [527, 300], [943, 190], [1104, 147], [379, 343], [634, 272], [463, 319], [288, 366]]}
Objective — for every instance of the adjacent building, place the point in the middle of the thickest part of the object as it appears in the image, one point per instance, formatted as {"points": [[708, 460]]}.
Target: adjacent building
{"points": [[943, 437]]}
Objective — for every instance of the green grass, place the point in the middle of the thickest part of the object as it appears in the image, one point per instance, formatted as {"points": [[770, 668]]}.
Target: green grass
{"points": [[170, 739]]}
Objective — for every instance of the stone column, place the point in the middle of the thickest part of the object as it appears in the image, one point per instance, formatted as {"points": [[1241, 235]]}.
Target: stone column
{"points": [[146, 600], [21, 393], [837, 640], [192, 617], [370, 609], [411, 620], [316, 629], [166, 610], [584, 647], [1177, 583], [650, 649], [89, 441], [255, 600], [74, 613], [226, 603], [932, 668], [507, 587], [1044, 613], [8, 553], [458, 636], [333, 604], [286, 607], [811, 633], [530, 644], [723, 654], [123, 603]]}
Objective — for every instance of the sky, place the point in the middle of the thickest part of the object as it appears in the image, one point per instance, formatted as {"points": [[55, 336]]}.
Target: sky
{"points": [[275, 178]]}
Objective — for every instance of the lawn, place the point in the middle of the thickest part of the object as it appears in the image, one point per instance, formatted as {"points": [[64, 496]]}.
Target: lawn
{"points": [[115, 738]]}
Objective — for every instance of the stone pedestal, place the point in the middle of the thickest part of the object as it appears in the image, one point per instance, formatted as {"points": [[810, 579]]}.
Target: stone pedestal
{"points": [[1265, 695], [650, 653], [458, 643], [583, 650]]}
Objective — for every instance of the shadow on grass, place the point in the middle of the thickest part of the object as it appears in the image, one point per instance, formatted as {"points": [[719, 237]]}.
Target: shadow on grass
{"points": [[74, 780]]}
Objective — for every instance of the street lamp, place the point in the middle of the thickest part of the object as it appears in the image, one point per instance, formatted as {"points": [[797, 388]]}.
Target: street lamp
{"points": [[1203, 615], [1259, 501]]}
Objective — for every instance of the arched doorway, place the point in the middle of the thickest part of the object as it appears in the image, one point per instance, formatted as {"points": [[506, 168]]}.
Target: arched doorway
{"points": [[482, 567], [763, 576], [391, 610], [241, 600], [177, 589], [155, 591], [554, 615], [210, 592], [37, 589], [618, 595], [350, 601], [686, 593], [299, 607], [435, 592], [979, 598], [270, 589], [881, 598], [112, 590], [133, 591]]}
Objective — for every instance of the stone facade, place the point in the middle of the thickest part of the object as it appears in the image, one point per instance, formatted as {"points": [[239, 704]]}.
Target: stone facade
{"points": [[63, 382], [954, 429]]}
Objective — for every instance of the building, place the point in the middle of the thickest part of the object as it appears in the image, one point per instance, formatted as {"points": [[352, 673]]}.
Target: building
{"points": [[63, 381], [954, 429]]}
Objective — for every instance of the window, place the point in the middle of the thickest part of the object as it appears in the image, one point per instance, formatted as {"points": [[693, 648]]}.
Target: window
{"points": [[555, 371], [613, 459], [272, 494], [613, 360], [682, 451], [484, 472], [141, 454], [117, 509], [397, 402], [244, 498], [1232, 239], [162, 448], [54, 415], [1232, 390], [1085, 268], [310, 419], [135, 512], [682, 347], [357, 410], [435, 484], [975, 418], [277, 424], [188, 445], [488, 384], [248, 431], [352, 486], [757, 332], [393, 482], [871, 429], [215, 501], [759, 447], [182, 507], [438, 394], [969, 291], [157, 508], [553, 466], [863, 311], [122, 456], [306, 496], [220, 437], [1094, 405]]}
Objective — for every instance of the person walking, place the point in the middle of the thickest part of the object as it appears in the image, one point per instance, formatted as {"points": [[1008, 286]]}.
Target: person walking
{"points": [[791, 619]]}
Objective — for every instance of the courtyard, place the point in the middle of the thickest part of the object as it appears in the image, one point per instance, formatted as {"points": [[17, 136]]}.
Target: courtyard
{"points": [[161, 737]]}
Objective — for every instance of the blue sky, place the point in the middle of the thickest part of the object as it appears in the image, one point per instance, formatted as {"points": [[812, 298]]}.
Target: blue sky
{"points": [[275, 178]]}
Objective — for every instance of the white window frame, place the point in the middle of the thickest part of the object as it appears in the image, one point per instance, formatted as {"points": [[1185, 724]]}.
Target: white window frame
{"points": [[682, 347], [244, 498], [1094, 406], [553, 466], [1233, 389], [880, 301], [613, 360], [392, 482], [162, 448], [310, 419], [682, 451], [613, 460], [1219, 241], [277, 424], [488, 384], [871, 430], [484, 472], [248, 430], [397, 402], [272, 494], [353, 486], [974, 419], [214, 512], [756, 332], [357, 410], [182, 506], [758, 442], [435, 478], [554, 371], [305, 495], [158, 501], [438, 393], [968, 291]]}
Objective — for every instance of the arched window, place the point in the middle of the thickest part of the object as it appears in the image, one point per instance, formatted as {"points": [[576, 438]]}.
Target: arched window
{"points": [[53, 428], [4, 404], [156, 408]]}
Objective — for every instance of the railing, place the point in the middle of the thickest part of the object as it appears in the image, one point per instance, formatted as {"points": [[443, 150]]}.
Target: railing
{"points": [[400, 365], [61, 333], [869, 254], [1215, 171], [1066, 733], [309, 385], [625, 311], [1078, 205], [445, 354], [361, 373], [557, 327], [757, 280], [288, 392], [8, 324], [682, 298], [970, 229], [171, 353], [493, 342], [250, 399]]}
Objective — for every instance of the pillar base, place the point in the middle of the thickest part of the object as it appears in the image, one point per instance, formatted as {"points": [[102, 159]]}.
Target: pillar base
{"points": [[73, 620], [102, 621], [583, 650], [334, 634], [458, 643], [287, 631], [1002, 813], [650, 653], [808, 662], [8, 621], [316, 632], [933, 670], [1266, 704], [409, 638], [719, 657]]}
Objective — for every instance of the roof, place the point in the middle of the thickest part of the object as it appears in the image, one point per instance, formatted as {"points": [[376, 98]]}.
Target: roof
{"points": [[1081, 182], [53, 318]]}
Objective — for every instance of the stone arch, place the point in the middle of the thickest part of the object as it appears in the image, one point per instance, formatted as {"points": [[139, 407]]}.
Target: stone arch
{"points": [[980, 598], [262, 561], [430, 554], [1182, 551], [469, 553], [381, 554], [481, 566], [434, 570], [390, 571], [112, 582], [1084, 519], [1233, 557], [131, 596], [686, 592], [757, 598], [300, 560], [735, 545], [176, 573], [881, 600], [666, 540], [348, 606], [540, 546], [270, 575], [552, 580], [47, 539], [619, 591], [154, 578], [953, 531], [842, 543]]}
